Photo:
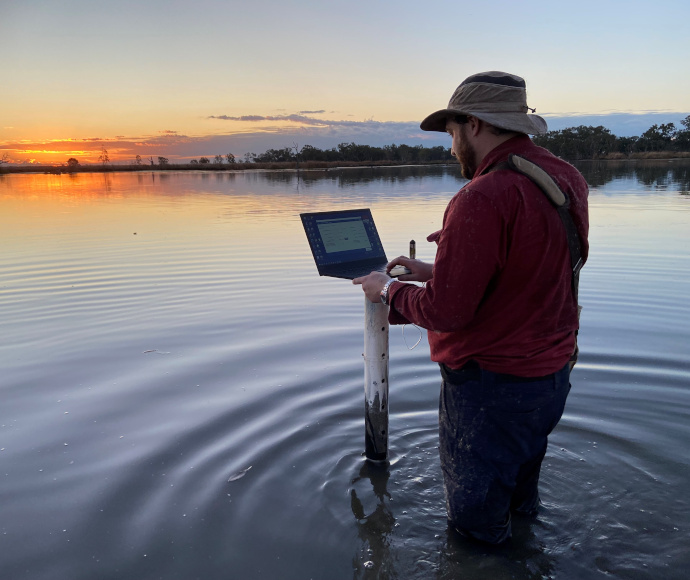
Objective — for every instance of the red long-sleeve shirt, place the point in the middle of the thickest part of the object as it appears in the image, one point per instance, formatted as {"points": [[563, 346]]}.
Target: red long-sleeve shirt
{"points": [[501, 288]]}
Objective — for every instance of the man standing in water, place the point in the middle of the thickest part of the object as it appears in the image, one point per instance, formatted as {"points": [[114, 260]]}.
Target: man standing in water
{"points": [[500, 305]]}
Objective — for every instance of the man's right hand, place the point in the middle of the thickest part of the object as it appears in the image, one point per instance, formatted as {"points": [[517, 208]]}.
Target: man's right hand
{"points": [[419, 271]]}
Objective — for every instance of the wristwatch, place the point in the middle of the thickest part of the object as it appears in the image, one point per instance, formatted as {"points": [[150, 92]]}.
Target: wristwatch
{"points": [[384, 290]]}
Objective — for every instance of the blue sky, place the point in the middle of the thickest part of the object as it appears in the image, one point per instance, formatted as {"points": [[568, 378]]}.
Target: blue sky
{"points": [[176, 78]]}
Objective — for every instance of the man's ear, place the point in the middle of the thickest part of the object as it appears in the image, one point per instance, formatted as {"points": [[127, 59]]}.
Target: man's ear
{"points": [[475, 125]]}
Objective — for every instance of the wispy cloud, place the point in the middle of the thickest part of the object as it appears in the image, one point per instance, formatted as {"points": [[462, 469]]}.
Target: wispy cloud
{"points": [[304, 119]]}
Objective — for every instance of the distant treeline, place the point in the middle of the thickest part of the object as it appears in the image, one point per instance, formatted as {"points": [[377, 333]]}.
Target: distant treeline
{"points": [[583, 142], [417, 154], [586, 142], [573, 143]]}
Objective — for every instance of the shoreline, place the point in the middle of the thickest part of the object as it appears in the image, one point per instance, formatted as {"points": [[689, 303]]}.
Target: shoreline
{"points": [[213, 167], [292, 166]]}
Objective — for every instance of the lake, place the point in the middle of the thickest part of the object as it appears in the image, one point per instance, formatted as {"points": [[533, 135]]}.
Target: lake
{"points": [[182, 394]]}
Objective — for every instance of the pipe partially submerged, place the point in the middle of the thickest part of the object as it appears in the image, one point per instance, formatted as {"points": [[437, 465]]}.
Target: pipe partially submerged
{"points": [[376, 381]]}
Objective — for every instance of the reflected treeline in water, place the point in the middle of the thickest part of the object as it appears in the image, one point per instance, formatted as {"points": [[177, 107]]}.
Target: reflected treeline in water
{"points": [[653, 173], [347, 176]]}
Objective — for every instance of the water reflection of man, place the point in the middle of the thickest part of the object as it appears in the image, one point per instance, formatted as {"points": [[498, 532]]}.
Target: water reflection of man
{"points": [[499, 306]]}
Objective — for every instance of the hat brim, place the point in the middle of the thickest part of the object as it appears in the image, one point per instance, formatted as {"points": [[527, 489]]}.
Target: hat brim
{"points": [[519, 122]]}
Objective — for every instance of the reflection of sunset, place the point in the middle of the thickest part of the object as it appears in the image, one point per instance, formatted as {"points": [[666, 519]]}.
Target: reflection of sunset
{"points": [[189, 202], [120, 208]]}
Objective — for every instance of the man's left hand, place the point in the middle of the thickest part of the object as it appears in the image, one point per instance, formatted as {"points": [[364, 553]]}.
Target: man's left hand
{"points": [[372, 285]]}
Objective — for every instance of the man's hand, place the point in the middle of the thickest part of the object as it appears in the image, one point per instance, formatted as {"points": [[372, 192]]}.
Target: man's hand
{"points": [[372, 285], [419, 271]]}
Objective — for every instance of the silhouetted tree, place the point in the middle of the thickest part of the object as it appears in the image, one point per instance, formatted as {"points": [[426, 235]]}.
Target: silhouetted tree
{"points": [[5, 158], [103, 157], [163, 161], [204, 160], [657, 138], [682, 139], [626, 144], [218, 159], [353, 152], [230, 157], [194, 162], [311, 153], [581, 142], [275, 156], [72, 162], [138, 159], [297, 150]]}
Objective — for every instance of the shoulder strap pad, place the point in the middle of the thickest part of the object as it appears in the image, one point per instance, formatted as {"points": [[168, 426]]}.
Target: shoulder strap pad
{"points": [[540, 177]]}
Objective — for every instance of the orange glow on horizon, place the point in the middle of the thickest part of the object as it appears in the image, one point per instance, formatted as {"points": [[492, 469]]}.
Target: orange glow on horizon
{"points": [[121, 148]]}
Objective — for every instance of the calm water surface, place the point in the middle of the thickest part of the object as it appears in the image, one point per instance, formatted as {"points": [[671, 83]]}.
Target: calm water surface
{"points": [[182, 394]]}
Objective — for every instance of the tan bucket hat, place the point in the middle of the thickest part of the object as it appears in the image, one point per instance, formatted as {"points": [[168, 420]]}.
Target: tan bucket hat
{"points": [[498, 98]]}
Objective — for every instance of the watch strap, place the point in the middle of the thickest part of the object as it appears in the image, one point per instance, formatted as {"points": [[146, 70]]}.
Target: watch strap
{"points": [[385, 289]]}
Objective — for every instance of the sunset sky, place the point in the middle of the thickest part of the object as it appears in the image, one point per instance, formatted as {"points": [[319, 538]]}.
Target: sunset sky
{"points": [[183, 79]]}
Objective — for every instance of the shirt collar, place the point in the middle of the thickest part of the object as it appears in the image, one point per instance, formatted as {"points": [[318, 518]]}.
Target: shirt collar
{"points": [[518, 144]]}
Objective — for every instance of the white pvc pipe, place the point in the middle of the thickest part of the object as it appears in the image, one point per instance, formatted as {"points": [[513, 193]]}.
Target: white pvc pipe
{"points": [[376, 380]]}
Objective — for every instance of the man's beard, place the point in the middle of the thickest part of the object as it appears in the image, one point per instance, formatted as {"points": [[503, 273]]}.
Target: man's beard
{"points": [[467, 157]]}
